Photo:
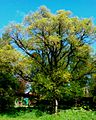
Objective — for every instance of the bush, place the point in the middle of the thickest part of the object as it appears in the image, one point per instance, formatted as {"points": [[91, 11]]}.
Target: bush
{"points": [[8, 86]]}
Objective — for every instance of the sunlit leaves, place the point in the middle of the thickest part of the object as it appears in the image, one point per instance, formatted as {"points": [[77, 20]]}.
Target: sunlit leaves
{"points": [[8, 58], [83, 50], [59, 46]]}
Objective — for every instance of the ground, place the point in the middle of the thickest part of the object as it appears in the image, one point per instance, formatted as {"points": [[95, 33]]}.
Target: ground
{"points": [[70, 114]]}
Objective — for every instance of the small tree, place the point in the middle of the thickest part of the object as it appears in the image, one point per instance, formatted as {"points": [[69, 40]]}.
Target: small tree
{"points": [[59, 47], [8, 80]]}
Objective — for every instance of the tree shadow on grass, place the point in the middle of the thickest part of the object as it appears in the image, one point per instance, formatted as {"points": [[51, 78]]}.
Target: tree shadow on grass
{"points": [[14, 112]]}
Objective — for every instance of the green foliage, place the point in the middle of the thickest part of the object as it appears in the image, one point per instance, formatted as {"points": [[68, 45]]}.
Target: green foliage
{"points": [[93, 87], [59, 46], [8, 87], [70, 114], [8, 80]]}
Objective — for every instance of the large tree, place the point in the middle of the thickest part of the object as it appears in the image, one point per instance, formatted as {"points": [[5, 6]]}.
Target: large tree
{"points": [[59, 45]]}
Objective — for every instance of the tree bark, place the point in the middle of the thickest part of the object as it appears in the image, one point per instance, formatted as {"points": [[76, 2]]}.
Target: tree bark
{"points": [[56, 106]]}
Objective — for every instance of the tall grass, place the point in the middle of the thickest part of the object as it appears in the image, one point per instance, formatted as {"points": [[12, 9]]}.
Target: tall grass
{"points": [[70, 114]]}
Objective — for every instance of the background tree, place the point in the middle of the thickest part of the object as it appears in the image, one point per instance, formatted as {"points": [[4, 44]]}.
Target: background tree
{"points": [[9, 84], [59, 46]]}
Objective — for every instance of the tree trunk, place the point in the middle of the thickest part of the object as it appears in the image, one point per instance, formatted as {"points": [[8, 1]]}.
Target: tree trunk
{"points": [[56, 106]]}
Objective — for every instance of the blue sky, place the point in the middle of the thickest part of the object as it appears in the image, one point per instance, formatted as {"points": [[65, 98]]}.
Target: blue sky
{"points": [[14, 10]]}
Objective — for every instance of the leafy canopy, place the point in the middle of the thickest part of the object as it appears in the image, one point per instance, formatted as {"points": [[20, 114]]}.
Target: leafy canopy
{"points": [[59, 46]]}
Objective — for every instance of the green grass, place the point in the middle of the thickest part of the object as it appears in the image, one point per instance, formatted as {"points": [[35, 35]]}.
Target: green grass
{"points": [[62, 115]]}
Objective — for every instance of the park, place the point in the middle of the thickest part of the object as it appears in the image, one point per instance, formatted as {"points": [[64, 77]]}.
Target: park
{"points": [[47, 67]]}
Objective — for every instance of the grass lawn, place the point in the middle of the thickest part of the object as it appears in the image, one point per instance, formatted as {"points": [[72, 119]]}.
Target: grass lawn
{"points": [[63, 115]]}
